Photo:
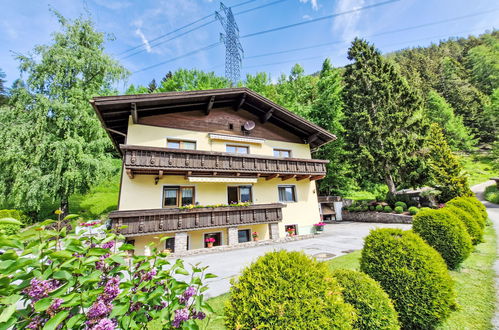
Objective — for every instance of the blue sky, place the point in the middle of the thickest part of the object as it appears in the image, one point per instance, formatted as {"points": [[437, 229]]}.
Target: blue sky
{"points": [[27, 23]]}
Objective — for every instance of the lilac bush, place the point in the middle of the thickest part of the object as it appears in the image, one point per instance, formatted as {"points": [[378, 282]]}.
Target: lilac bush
{"points": [[51, 278]]}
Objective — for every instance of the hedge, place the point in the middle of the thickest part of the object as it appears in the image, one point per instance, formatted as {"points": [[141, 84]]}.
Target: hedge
{"points": [[412, 273], [444, 231], [483, 210], [413, 210], [401, 204], [15, 214], [287, 290], [468, 206], [472, 225], [374, 308]]}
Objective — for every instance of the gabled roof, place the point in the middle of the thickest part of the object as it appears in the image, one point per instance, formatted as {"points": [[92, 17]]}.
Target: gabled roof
{"points": [[114, 111]]}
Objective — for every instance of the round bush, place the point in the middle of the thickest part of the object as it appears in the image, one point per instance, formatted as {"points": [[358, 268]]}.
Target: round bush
{"points": [[472, 226], [399, 209], [351, 208], [374, 308], [479, 205], [287, 290], [446, 233], [379, 208], [365, 208], [387, 209], [413, 210], [358, 208], [466, 205], [401, 204], [412, 273], [372, 208]]}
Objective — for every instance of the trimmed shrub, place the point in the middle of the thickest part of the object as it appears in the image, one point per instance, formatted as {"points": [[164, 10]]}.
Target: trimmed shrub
{"points": [[412, 273], [464, 204], [287, 290], [364, 208], [387, 209], [492, 193], [472, 226], [374, 308], [358, 208], [479, 205], [372, 208], [399, 209], [401, 204], [351, 208], [446, 233], [379, 208], [12, 229], [413, 210]]}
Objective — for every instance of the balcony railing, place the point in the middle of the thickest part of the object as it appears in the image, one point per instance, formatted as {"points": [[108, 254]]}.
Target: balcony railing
{"points": [[145, 222], [152, 160]]}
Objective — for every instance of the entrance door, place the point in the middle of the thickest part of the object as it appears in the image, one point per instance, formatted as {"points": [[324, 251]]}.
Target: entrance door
{"points": [[170, 244], [216, 236]]}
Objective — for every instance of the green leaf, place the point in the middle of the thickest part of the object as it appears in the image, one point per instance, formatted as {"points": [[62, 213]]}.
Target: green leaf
{"points": [[118, 259], [71, 216], [42, 304], [77, 319], [7, 313], [10, 299], [62, 275], [119, 310], [10, 221], [210, 275], [6, 242], [97, 252], [126, 247], [164, 238], [61, 255], [181, 271], [54, 321]]}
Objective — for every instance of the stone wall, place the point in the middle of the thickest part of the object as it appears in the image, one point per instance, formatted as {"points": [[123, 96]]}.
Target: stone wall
{"points": [[376, 217]]}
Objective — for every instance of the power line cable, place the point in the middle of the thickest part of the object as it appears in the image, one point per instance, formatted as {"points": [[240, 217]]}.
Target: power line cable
{"points": [[351, 11]]}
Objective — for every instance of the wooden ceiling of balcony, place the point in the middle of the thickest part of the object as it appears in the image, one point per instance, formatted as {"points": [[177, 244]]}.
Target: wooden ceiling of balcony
{"points": [[114, 111]]}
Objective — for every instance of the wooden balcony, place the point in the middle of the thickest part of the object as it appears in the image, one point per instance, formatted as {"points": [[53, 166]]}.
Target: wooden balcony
{"points": [[165, 161], [146, 222]]}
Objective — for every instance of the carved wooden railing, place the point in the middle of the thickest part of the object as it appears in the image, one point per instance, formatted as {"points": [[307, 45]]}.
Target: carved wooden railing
{"points": [[144, 222], [151, 160]]}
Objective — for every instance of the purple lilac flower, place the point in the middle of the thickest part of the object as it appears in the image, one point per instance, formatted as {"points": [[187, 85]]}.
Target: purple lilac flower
{"points": [[135, 306], [77, 255], [188, 293], [54, 306], [36, 322], [199, 315], [149, 275], [108, 245], [111, 289], [98, 309], [104, 324], [40, 288], [181, 315]]}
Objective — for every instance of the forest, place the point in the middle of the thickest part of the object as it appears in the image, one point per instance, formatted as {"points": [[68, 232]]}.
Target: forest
{"points": [[401, 119]]}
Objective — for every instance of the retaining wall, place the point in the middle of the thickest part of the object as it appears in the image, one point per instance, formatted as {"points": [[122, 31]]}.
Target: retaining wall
{"points": [[376, 217]]}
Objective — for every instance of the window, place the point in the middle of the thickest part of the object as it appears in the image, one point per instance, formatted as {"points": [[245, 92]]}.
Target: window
{"points": [[237, 149], [243, 235], [291, 230], [282, 153], [239, 194], [216, 236], [178, 196], [178, 144], [170, 244], [287, 194]]}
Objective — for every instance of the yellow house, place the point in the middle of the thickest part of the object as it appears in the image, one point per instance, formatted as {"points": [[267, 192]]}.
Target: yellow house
{"points": [[212, 167]]}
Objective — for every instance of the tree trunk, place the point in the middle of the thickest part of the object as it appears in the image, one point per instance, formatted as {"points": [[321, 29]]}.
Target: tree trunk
{"points": [[391, 185]]}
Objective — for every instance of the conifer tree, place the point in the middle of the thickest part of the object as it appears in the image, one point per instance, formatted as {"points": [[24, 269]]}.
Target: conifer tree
{"points": [[3, 90], [52, 143], [445, 171], [384, 121], [327, 112]]}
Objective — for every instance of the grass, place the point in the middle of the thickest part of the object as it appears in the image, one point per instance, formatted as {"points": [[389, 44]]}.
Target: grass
{"points": [[492, 194], [474, 284], [479, 166]]}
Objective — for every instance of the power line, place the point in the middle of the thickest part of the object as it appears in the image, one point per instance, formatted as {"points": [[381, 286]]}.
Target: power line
{"points": [[183, 27], [351, 11], [375, 34]]}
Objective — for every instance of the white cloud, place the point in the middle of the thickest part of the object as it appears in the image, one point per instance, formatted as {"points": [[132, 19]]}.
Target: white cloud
{"points": [[113, 5], [347, 25], [144, 40], [307, 17], [314, 3]]}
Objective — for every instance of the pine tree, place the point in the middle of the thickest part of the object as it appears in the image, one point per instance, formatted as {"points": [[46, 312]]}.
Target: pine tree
{"points": [[151, 88], [440, 112], [3, 90], [53, 144], [327, 112], [384, 120], [445, 171]]}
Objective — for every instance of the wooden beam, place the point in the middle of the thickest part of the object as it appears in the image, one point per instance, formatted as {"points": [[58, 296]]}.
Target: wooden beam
{"points": [[302, 177], [241, 102], [267, 115], [159, 177], [287, 177], [210, 105], [115, 131], [312, 138], [272, 176], [316, 177], [188, 174], [135, 115], [129, 173]]}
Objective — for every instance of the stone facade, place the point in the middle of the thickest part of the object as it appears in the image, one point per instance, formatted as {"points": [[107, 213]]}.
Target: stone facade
{"points": [[181, 242], [379, 217], [274, 230], [233, 238]]}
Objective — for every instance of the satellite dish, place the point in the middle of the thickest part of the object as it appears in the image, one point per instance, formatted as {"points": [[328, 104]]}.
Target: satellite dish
{"points": [[249, 125]]}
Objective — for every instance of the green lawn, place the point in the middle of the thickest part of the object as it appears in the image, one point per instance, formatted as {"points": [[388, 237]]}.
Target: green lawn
{"points": [[478, 166], [474, 287]]}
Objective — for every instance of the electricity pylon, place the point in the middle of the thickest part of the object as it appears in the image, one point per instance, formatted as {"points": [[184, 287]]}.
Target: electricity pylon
{"points": [[233, 49]]}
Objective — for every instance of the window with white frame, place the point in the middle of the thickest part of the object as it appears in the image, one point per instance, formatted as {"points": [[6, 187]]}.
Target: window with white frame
{"points": [[176, 196], [287, 194]]}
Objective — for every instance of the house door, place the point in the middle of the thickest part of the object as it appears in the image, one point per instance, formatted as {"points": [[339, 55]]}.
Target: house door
{"points": [[216, 236], [170, 244]]}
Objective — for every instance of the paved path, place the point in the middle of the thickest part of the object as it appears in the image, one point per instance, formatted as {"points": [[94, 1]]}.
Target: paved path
{"points": [[337, 239], [493, 210]]}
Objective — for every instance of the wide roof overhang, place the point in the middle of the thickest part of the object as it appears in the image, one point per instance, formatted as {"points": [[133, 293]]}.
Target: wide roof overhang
{"points": [[114, 111]]}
